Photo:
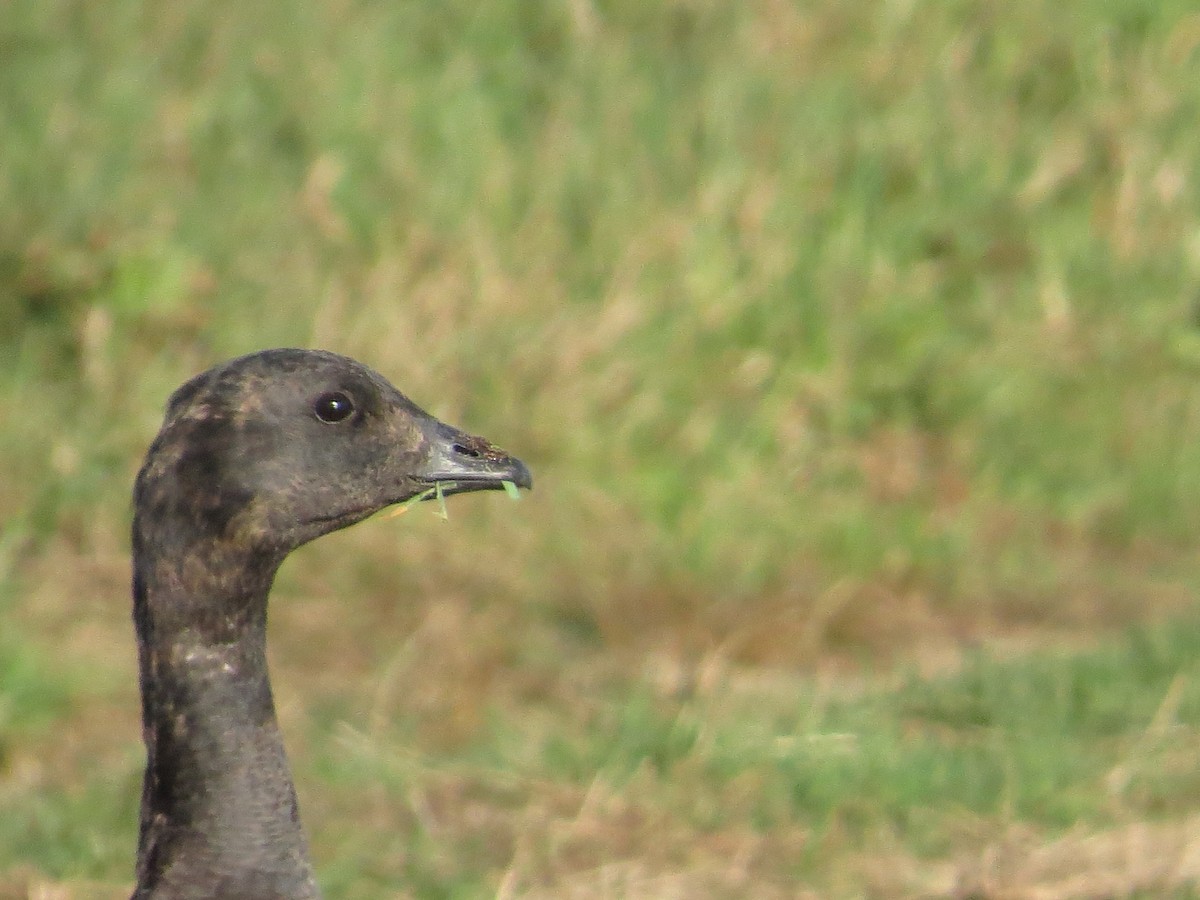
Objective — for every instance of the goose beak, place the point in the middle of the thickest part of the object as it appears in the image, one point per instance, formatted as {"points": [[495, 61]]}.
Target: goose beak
{"points": [[462, 462]]}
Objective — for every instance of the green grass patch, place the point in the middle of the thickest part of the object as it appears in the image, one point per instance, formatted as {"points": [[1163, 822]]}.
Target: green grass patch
{"points": [[830, 332], [1058, 741], [769, 278]]}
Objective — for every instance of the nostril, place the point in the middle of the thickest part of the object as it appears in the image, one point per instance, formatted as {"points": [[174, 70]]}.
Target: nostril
{"points": [[464, 450]]}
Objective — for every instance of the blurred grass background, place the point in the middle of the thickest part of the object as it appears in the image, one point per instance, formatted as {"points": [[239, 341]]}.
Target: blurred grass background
{"points": [[854, 348]]}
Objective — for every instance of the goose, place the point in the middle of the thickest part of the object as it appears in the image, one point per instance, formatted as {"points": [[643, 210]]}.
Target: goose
{"points": [[255, 457]]}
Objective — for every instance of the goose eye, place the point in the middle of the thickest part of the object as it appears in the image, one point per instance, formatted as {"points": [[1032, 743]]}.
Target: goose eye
{"points": [[333, 407]]}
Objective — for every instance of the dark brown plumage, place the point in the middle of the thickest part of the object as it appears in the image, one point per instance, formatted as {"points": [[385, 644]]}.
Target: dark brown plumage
{"points": [[255, 457]]}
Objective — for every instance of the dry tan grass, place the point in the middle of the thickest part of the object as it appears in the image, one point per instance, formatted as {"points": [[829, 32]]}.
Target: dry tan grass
{"points": [[1151, 859], [601, 850], [30, 886]]}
